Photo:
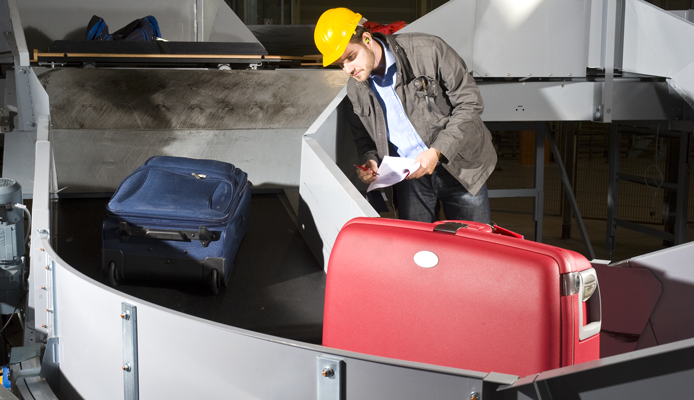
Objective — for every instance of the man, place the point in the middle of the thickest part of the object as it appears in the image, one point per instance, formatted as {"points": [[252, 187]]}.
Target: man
{"points": [[413, 97]]}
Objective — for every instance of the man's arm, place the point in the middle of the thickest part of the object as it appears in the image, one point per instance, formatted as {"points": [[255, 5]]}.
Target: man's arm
{"points": [[462, 133], [366, 148]]}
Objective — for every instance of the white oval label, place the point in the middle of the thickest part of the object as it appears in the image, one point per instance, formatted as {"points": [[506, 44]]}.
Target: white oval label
{"points": [[426, 259]]}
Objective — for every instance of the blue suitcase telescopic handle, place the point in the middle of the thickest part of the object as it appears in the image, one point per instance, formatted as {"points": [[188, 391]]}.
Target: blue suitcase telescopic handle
{"points": [[204, 235]]}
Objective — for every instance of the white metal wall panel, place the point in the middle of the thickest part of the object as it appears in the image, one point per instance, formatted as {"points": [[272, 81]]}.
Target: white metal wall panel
{"points": [[330, 196], [659, 43], [97, 161], [454, 22], [656, 42], [177, 19], [538, 101], [533, 38]]}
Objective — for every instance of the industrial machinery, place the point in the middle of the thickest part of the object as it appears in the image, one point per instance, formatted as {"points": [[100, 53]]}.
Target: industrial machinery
{"points": [[12, 246], [78, 132]]}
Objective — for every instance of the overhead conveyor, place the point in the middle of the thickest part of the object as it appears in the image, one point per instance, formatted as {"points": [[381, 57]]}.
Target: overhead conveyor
{"points": [[78, 132]]}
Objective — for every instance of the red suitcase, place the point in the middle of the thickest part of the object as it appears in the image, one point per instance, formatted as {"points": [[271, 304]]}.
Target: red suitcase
{"points": [[456, 294]]}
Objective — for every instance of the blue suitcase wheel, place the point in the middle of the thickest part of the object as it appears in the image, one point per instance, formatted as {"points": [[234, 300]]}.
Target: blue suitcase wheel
{"points": [[112, 273], [214, 281]]}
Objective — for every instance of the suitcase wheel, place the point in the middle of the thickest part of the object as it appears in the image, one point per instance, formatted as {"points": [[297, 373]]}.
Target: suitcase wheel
{"points": [[214, 281], [112, 273]]}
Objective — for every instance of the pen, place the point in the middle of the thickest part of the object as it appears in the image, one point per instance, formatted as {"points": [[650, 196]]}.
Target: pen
{"points": [[366, 169]]}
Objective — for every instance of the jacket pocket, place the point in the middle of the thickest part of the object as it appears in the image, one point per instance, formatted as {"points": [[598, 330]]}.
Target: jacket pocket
{"points": [[427, 92]]}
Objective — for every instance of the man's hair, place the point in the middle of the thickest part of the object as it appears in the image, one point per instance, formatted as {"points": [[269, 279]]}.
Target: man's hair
{"points": [[358, 34]]}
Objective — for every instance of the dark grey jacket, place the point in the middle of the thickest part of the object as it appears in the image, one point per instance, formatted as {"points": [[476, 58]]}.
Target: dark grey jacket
{"points": [[442, 102]]}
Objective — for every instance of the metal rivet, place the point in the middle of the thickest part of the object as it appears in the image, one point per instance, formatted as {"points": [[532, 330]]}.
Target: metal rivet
{"points": [[550, 74], [44, 326], [43, 288], [327, 372], [126, 367], [474, 396], [486, 74], [125, 315], [569, 74]]}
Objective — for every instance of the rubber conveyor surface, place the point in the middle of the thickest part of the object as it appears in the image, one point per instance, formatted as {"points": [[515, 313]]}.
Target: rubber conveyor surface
{"points": [[276, 287]]}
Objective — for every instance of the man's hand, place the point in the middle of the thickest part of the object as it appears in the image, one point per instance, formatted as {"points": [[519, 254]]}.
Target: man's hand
{"points": [[370, 175], [427, 162]]}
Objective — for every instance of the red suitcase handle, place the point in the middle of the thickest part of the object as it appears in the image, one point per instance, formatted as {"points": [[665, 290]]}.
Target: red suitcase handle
{"points": [[453, 226]]}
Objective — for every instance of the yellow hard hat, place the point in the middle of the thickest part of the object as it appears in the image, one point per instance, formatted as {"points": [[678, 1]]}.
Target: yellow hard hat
{"points": [[333, 32]]}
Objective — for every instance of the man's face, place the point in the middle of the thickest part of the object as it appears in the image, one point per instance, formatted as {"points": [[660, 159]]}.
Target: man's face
{"points": [[357, 61]]}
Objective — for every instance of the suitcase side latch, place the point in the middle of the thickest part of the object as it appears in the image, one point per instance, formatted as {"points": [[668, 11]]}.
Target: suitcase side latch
{"points": [[449, 227]]}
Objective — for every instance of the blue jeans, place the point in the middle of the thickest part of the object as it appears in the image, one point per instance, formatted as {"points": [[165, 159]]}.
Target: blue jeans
{"points": [[418, 199]]}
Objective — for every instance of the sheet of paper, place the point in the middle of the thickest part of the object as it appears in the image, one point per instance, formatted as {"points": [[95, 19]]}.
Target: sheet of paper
{"points": [[393, 170]]}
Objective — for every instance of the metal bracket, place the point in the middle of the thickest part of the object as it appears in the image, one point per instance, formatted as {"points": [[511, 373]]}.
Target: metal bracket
{"points": [[130, 370], [50, 366], [330, 378]]}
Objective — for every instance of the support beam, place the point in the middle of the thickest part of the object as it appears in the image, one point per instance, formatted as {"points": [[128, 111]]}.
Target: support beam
{"points": [[613, 188], [570, 195]]}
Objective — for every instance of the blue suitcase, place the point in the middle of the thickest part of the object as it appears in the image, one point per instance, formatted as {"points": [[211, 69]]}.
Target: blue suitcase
{"points": [[176, 219]]}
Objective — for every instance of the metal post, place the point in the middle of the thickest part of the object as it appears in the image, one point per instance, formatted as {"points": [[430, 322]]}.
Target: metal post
{"points": [[250, 11], [613, 188], [131, 382], [570, 140], [609, 40], [570, 195], [539, 201], [680, 230], [296, 12]]}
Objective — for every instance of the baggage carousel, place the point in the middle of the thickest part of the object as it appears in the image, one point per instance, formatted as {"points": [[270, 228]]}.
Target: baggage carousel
{"points": [[276, 287]]}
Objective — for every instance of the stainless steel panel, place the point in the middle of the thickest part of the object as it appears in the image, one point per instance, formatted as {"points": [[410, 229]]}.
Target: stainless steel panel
{"points": [[97, 161], [228, 27], [330, 197], [176, 100], [673, 316], [531, 38], [537, 101], [658, 43], [178, 19], [454, 22], [576, 101]]}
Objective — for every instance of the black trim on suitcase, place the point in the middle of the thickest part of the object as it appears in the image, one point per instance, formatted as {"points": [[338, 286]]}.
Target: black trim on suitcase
{"points": [[204, 235], [149, 268]]}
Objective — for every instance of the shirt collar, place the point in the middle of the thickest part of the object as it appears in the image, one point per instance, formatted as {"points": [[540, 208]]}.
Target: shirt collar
{"points": [[390, 61]]}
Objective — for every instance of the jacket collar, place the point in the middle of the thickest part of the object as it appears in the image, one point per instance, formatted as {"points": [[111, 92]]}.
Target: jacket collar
{"points": [[400, 59]]}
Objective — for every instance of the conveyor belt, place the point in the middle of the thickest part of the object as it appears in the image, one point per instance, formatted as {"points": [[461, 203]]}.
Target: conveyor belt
{"points": [[276, 287]]}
